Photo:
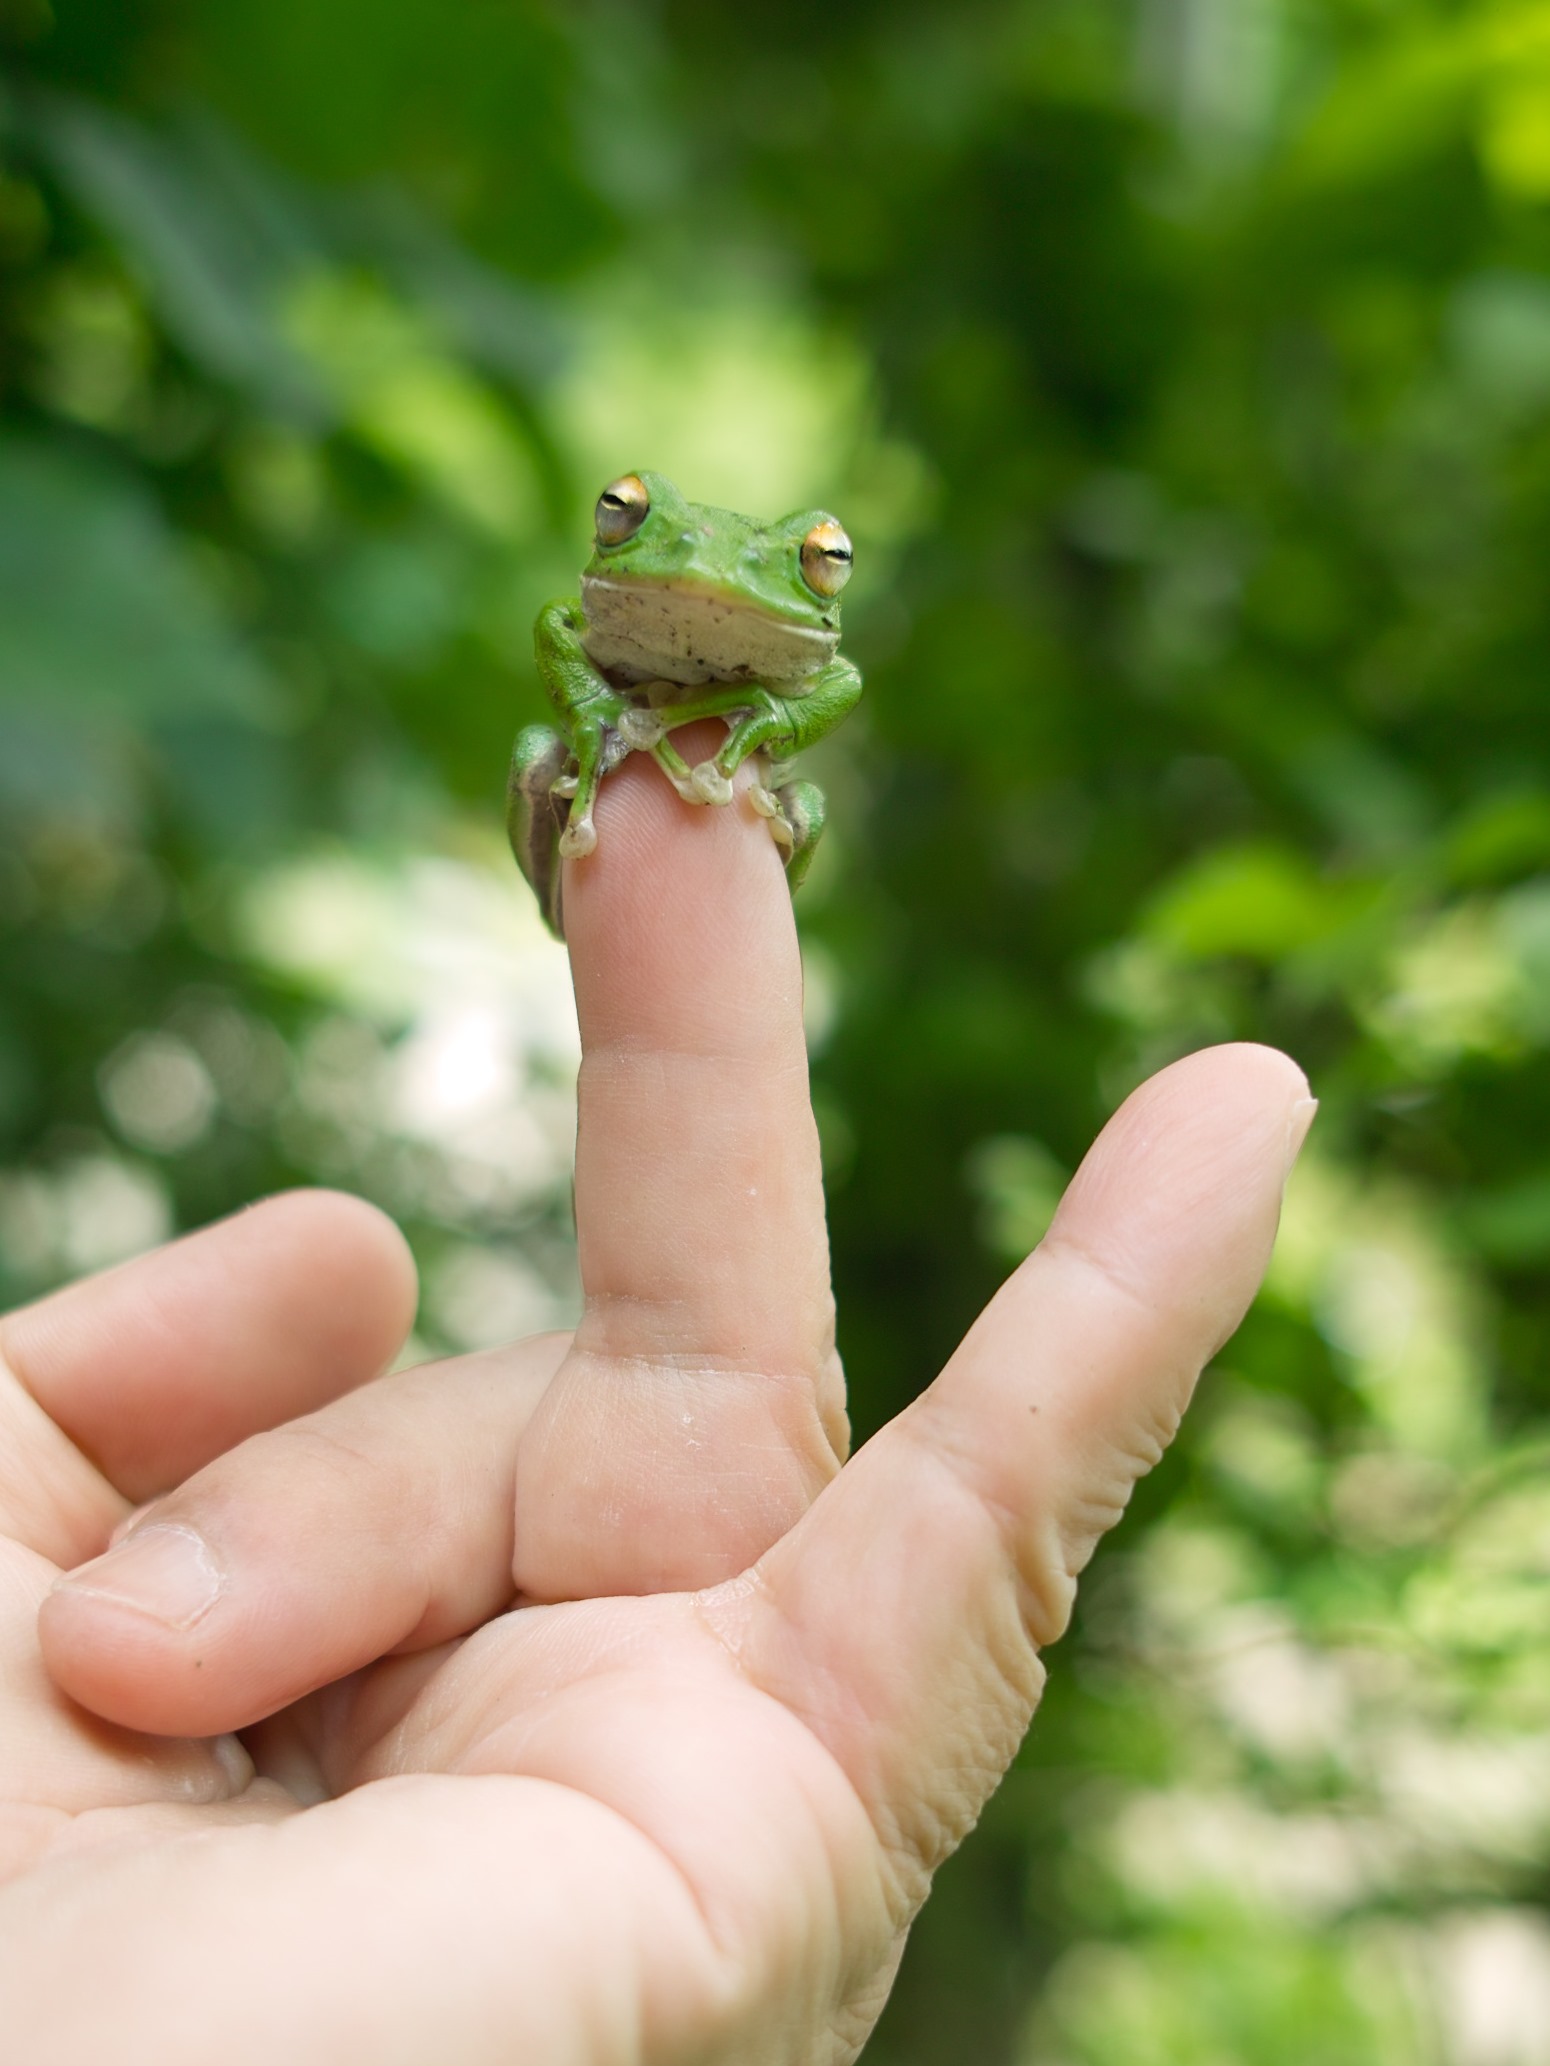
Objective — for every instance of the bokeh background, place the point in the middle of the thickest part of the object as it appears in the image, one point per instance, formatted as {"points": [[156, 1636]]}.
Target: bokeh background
{"points": [[1182, 371]]}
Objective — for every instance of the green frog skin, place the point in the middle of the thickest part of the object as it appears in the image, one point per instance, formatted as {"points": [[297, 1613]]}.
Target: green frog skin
{"points": [[686, 612]]}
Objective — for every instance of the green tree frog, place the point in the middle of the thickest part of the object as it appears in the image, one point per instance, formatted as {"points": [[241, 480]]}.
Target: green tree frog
{"points": [[686, 612]]}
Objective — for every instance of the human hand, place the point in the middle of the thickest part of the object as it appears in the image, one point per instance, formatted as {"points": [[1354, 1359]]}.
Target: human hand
{"points": [[684, 1824]]}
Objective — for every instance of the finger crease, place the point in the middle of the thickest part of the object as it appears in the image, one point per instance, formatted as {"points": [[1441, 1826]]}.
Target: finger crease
{"points": [[1060, 1247]]}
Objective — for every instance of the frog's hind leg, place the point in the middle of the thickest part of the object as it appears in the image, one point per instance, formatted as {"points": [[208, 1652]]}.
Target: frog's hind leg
{"points": [[536, 816], [795, 812]]}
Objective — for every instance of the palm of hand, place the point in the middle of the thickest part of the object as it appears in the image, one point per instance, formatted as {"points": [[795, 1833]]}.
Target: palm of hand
{"points": [[687, 1808]]}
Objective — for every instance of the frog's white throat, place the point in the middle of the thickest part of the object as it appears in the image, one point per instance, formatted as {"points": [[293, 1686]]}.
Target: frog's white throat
{"points": [[651, 631]]}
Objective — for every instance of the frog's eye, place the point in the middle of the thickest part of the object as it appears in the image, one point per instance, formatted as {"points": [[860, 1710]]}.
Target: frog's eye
{"points": [[826, 558], [621, 509]]}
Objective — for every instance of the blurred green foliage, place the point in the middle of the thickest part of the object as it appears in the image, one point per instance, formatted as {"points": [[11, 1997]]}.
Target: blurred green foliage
{"points": [[1182, 369]]}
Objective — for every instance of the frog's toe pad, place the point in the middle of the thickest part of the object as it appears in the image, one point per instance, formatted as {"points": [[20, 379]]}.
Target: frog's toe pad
{"points": [[710, 785], [764, 801], [565, 786], [640, 728], [578, 839]]}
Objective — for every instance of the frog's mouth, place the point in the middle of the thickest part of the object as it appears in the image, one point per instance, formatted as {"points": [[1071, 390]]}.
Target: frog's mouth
{"points": [[657, 631]]}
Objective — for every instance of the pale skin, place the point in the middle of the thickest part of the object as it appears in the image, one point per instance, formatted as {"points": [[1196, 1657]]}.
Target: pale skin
{"points": [[686, 1812]]}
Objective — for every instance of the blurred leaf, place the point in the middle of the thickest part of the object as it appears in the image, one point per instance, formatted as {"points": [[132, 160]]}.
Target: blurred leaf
{"points": [[216, 237], [100, 604], [1019, 1183], [508, 328], [1510, 1225], [412, 402], [1502, 837], [1261, 901], [1421, 86], [1500, 323]]}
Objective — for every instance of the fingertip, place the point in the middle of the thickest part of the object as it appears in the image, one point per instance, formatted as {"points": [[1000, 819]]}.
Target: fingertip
{"points": [[681, 911], [1198, 1154], [1245, 1072], [368, 1255], [157, 1366]]}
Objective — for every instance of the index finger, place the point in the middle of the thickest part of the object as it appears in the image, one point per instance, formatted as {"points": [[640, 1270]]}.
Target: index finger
{"points": [[701, 1407]]}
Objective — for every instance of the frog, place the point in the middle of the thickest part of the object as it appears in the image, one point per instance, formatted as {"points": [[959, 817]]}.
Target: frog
{"points": [[686, 612]]}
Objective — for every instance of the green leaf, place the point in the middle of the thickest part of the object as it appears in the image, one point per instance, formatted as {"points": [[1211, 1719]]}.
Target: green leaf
{"points": [[1504, 836], [1259, 901]]}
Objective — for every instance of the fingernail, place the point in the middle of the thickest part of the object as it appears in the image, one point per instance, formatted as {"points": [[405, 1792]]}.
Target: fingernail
{"points": [[1298, 1120], [162, 1571]]}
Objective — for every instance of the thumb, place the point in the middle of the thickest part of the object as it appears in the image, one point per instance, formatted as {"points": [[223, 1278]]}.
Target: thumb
{"points": [[903, 1616]]}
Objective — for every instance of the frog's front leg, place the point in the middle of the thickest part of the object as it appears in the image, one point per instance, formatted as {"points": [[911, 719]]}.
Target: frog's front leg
{"points": [[592, 714], [761, 719], [644, 731], [770, 720], [652, 729]]}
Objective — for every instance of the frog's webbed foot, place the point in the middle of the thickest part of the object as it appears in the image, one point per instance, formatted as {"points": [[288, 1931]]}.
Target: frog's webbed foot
{"points": [[767, 804], [640, 729], [709, 785], [795, 813], [711, 780], [578, 839]]}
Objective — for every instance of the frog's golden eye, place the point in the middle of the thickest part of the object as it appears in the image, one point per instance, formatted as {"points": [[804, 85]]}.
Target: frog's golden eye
{"points": [[826, 558], [621, 509]]}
